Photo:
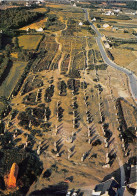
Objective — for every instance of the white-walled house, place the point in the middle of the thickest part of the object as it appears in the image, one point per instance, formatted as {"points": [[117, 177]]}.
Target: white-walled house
{"points": [[106, 25]]}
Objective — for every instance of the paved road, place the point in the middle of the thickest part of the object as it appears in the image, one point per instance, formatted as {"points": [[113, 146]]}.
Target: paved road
{"points": [[132, 77]]}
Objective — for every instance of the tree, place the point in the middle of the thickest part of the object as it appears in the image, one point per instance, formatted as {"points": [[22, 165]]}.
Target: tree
{"points": [[8, 50], [98, 26], [16, 43]]}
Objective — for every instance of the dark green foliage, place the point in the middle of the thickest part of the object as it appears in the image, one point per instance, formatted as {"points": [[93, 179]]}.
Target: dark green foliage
{"points": [[2, 126], [47, 173], [98, 26], [74, 74], [83, 85], [1, 40], [98, 67], [71, 27], [14, 114], [17, 17], [99, 87], [62, 87], [86, 22], [49, 93], [5, 108], [6, 141], [73, 84], [16, 43], [50, 21], [86, 5], [4, 65], [97, 142], [110, 55], [132, 5], [2, 183], [31, 84], [30, 99]]}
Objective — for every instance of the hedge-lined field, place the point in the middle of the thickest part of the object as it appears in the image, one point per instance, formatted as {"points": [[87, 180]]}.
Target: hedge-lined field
{"points": [[29, 42], [10, 82]]}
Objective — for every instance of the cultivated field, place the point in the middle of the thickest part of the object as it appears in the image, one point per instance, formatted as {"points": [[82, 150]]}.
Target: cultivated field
{"points": [[29, 42], [11, 80]]}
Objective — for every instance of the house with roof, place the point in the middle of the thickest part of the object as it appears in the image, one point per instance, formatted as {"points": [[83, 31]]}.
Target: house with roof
{"points": [[94, 19], [107, 188], [109, 13], [40, 29], [106, 25], [80, 23]]}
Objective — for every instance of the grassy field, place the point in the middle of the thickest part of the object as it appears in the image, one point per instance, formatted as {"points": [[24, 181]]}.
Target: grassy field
{"points": [[10, 82], [29, 42], [117, 34], [125, 58]]}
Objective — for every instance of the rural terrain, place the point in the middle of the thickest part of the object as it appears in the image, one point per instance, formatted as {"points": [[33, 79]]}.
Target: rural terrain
{"points": [[68, 119]]}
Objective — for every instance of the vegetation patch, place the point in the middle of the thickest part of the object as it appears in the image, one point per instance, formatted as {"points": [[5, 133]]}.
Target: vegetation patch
{"points": [[17, 17]]}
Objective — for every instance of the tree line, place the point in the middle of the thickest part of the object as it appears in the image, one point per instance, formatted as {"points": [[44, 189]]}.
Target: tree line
{"points": [[14, 18]]}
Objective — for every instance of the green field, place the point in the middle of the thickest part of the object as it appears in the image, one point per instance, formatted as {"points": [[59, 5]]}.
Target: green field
{"points": [[10, 82], [29, 42]]}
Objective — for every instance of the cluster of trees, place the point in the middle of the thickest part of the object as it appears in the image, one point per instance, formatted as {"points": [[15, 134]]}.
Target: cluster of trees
{"points": [[110, 55], [5, 68], [71, 27], [132, 5], [52, 19], [86, 5], [0, 40], [5, 108], [17, 17]]}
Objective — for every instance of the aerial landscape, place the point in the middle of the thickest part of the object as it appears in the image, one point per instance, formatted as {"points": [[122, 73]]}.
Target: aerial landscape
{"points": [[68, 98]]}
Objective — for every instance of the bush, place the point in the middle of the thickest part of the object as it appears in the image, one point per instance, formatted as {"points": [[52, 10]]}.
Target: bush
{"points": [[98, 26], [110, 55]]}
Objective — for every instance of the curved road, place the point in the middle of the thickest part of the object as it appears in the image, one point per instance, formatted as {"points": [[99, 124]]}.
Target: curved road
{"points": [[130, 74]]}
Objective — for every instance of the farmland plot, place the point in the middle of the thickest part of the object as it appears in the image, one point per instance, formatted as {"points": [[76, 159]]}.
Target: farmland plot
{"points": [[29, 42], [11, 80]]}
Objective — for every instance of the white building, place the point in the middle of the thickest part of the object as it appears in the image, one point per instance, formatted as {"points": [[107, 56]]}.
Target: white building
{"points": [[80, 23], [116, 10], [94, 19], [109, 13], [106, 25], [106, 44], [40, 29]]}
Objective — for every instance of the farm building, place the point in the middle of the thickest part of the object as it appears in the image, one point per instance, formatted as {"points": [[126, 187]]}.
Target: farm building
{"points": [[40, 29], [106, 25], [94, 19], [80, 23], [106, 44]]}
